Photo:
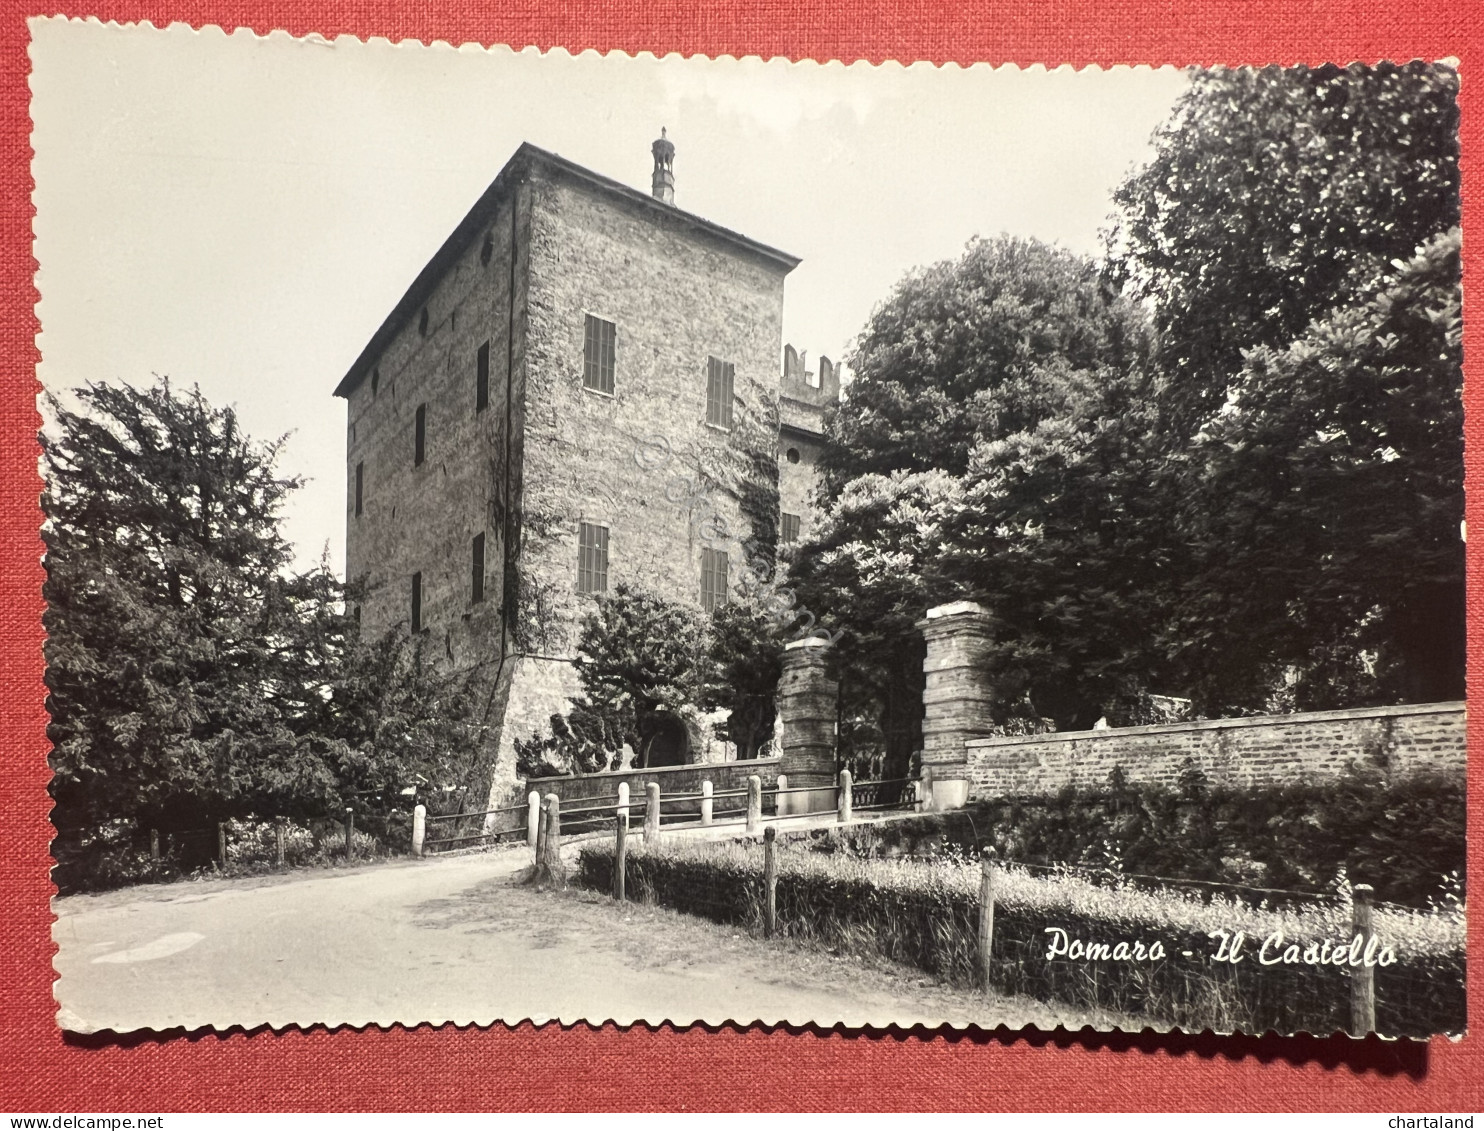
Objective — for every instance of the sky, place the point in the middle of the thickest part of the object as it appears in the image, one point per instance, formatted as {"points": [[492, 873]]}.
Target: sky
{"points": [[242, 212]]}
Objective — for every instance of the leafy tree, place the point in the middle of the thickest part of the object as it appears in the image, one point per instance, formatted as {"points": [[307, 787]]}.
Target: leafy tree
{"points": [[1062, 531], [744, 663], [1325, 505], [971, 348], [1292, 236], [642, 661], [1001, 356], [1276, 196], [1258, 507], [869, 567]]}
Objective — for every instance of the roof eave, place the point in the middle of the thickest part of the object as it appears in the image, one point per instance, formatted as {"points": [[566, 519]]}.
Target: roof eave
{"points": [[469, 227]]}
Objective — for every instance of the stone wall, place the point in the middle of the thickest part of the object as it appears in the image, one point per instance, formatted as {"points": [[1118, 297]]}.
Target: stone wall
{"points": [[423, 518], [1262, 751], [546, 454], [676, 296]]}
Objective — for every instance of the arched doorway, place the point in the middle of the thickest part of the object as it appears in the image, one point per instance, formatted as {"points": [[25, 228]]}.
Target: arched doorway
{"points": [[669, 745]]}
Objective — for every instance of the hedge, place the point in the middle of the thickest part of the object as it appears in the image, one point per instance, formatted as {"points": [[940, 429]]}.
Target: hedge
{"points": [[926, 915]]}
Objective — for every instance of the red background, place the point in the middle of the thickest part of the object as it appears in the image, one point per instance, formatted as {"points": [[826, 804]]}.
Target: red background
{"points": [[696, 1068]]}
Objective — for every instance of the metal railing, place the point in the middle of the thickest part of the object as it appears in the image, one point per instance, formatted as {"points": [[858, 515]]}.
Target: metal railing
{"points": [[585, 816]]}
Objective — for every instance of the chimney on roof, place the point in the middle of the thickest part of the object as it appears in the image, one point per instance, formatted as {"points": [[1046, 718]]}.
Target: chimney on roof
{"points": [[663, 185]]}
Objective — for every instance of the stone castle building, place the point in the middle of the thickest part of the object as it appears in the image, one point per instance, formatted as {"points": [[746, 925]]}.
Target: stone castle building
{"points": [[580, 376]]}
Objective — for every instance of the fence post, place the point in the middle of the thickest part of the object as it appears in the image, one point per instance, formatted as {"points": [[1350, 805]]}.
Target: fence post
{"points": [[620, 852], [986, 915], [419, 828], [770, 881], [1363, 977], [754, 802], [623, 796], [533, 820], [781, 785], [551, 849], [279, 853], [540, 849], [221, 843], [845, 799], [154, 845], [350, 832], [707, 803], [652, 813]]}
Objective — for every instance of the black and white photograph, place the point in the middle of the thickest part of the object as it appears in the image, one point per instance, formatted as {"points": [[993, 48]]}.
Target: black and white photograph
{"points": [[534, 536]]}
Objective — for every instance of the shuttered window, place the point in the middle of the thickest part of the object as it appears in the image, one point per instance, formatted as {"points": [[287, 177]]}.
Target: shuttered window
{"points": [[713, 578], [360, 483], [719, 378], [478, 588], [592, 558], [597, 355], [790, 530], [482, 378]]}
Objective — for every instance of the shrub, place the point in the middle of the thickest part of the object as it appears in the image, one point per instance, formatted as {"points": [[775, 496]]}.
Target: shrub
{"points": [[1404, 837], [118, 853]]}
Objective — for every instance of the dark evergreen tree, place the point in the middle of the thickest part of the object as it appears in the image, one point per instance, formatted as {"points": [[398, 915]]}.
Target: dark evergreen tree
{"points": [[170, 624], [192, 676]]}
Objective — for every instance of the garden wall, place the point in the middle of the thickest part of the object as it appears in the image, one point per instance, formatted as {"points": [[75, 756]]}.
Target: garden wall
{"points": [[1265, 750]]}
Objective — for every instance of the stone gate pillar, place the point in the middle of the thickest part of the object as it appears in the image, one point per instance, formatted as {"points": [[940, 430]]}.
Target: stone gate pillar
{"points": [[956, 698], [807, 706]]}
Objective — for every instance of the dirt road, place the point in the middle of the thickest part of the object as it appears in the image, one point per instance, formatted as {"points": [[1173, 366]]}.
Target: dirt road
{"points": [[456, 939]]}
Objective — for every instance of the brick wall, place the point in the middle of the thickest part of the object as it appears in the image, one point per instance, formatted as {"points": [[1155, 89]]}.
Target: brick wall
{"points": [[1265, 750]]}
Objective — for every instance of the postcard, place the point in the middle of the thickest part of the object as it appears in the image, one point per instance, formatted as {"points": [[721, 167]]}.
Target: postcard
{"points": [[608, 538]]}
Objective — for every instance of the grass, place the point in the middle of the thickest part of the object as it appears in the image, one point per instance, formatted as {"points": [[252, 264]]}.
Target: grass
{"points": [[925, 914]]}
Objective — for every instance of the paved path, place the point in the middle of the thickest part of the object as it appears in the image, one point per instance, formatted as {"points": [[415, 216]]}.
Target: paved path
{"points": [[454, 939]]}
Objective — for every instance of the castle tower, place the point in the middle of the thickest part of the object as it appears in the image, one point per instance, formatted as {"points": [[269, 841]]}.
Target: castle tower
{"points": [[804, 397], [503, 425]]}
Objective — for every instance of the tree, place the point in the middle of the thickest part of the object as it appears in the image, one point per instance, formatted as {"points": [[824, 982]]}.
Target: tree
{"points": [[1325, 505], [170, 624], [641, 659], [1062, 531], [1275, 196], [869, 567], [1009, 342], [391, 719], [191, 675], [744, 663], [969, 348], [1292, 236]]}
